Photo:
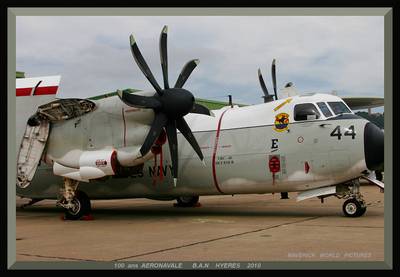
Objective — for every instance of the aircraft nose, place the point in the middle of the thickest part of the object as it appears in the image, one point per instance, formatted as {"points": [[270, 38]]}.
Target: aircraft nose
{"points": [[373, 146]]}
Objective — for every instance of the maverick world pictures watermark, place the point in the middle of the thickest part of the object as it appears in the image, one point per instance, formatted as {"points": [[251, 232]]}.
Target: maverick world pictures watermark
{"points": [[312, 256]]}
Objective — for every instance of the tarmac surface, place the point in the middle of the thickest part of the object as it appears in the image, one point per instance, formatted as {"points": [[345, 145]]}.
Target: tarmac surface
{"points": [[223, 228]]}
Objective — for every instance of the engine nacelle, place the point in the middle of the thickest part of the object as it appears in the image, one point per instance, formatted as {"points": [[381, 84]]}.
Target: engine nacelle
{"points": [[92, 165]]}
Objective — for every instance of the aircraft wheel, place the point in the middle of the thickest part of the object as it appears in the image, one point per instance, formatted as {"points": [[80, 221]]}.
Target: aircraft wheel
{"points": [[187, 201], [82, 206], [353, 208]]}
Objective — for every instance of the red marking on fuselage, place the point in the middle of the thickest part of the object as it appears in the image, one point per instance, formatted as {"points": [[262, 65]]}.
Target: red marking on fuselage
{"points": [[39, 91], [306, 167], [114, 162], [215, 152], [274, 164]]}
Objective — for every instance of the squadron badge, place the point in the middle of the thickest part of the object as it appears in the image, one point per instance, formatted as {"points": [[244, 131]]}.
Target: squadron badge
{"points": [[281, 122]]}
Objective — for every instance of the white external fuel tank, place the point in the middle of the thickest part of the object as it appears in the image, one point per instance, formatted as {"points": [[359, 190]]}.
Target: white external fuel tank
{"points": [[92, 165]]}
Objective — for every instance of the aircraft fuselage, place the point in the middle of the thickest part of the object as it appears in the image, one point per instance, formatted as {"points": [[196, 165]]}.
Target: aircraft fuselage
{"points": [[253, 149]]}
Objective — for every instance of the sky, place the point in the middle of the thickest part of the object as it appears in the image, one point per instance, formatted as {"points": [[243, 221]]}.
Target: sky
{"points": [[317, 53]]}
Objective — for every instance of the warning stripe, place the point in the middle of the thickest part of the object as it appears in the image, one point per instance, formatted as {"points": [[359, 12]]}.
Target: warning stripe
{"points": [[39, 91], [215, 152]]}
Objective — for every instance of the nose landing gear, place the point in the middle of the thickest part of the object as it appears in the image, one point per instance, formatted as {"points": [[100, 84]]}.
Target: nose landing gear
{"points": [[355, 205], [354, 208]]}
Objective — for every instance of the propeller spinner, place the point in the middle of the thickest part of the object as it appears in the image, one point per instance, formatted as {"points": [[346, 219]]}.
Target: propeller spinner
{"points": [[169, 104]]}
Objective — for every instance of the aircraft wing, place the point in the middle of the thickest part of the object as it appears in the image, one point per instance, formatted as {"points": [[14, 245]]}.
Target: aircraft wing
{"points": [[360, 103], [374, 181]]}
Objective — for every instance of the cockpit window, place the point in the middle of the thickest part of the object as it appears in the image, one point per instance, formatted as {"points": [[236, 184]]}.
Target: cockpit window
{"points": [[306, 111], [339, 107], [324, 109]]}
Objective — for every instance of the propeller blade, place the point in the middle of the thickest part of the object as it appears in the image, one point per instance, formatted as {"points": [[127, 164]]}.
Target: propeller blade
{"points": [[200, 109], [164, 56], [185, 73], [143, 65], [187, 133], [173, 147], [159, 122], [262, 83], [138, 101], [267, 97], [273, 71]]}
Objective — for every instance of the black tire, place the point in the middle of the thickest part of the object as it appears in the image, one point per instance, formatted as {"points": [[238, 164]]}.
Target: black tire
{"points": [[284, 195], [353, 208], [83, 206], [378, 175], [187, 201], [363, 210]]}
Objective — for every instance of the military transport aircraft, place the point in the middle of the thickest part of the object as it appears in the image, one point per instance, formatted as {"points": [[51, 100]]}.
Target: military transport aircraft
{"points": [[126, 146]]}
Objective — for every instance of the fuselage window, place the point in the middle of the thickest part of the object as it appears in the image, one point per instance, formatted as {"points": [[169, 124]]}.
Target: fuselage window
{"points": [[324, 109], [306, 111], [339, 107]]}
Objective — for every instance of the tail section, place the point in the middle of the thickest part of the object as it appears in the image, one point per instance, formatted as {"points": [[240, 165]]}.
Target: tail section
{"points": [[47, 85]]}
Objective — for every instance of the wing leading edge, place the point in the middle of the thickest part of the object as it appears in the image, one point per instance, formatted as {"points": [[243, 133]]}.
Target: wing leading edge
{"points": [[360, 103]]}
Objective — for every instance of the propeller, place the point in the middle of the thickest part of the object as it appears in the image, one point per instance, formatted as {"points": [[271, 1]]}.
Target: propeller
{"points": [[170, 105]]}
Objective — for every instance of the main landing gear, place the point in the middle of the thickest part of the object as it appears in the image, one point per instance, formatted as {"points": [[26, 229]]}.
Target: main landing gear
{"points": [[76, 203], [187, 201], [355, 205]]}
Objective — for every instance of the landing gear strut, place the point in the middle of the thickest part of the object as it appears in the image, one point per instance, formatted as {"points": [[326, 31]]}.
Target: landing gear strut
{"points": [[355, 205], [76, 203]]}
